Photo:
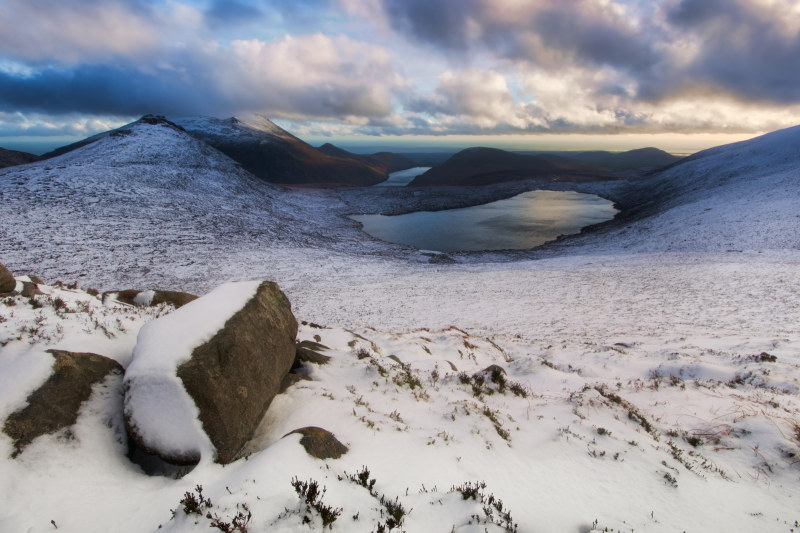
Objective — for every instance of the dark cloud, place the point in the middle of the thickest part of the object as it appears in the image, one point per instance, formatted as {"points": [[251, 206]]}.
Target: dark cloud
{"points": [[744, 49], [442, 23], [593, 37], [547, 33], [98, 90]]}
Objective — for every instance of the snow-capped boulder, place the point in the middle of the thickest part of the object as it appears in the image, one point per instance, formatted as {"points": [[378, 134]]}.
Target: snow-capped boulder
{"points": [[55, 404], [202, 377], [149, 298], [7, 281], [320, 443]]}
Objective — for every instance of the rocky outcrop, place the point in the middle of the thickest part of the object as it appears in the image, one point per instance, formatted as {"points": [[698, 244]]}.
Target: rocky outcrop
{"points": [[7, 281], [55, 405], [320, 443], [226, 380]]}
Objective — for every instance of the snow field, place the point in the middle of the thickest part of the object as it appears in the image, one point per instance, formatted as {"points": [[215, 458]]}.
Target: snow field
{"points": [[636, 432]]}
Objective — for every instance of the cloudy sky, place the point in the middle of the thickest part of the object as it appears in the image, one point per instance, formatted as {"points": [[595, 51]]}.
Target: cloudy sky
{"points": [[503, 72]]}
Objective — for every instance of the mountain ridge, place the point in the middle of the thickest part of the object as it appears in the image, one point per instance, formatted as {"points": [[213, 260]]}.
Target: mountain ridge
{"points": [[273, 154], [485, 166]]}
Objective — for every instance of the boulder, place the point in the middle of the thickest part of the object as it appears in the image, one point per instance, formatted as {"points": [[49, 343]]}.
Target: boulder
{"points": [[30, 289], [7, 281], [55, 405], [149, 298], [320, 443], [202, 377]]}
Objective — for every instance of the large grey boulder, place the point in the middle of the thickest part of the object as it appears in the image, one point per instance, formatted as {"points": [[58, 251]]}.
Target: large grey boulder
{"points": [[7, 281], [202, 377], [55, 405]]}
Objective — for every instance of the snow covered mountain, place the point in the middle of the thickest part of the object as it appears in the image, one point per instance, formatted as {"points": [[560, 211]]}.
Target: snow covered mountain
{"points": [[275, 155], [741, 196]]}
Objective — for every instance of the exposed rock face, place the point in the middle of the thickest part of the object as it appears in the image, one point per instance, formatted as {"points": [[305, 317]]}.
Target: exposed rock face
{"points": [[7, 281], [231, 378], [55, 404], [320, 443]]}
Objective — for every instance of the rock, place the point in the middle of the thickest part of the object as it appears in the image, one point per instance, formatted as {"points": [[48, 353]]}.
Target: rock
{"points": [[29, 289], [492, 371], [219, 360], [320, 443], [7, 281], [174, 298], [149, 298], [55, 404]]}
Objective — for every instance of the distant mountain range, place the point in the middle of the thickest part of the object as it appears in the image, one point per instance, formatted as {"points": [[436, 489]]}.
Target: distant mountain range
{"points": [[486, 166], [273, 154], [382, 161], [10, 158]]}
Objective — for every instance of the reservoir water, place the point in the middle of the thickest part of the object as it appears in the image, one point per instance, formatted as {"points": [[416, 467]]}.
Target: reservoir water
{"points": [[527, 220], [401, 178]]}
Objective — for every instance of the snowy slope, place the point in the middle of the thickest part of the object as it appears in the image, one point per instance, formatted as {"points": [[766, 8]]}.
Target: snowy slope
{"points": [[149, 202], [742, 196]]}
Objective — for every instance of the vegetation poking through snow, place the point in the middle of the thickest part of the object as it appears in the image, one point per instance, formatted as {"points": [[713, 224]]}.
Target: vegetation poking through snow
{"points": [[311, 495], [196, 503], [493, 510]]}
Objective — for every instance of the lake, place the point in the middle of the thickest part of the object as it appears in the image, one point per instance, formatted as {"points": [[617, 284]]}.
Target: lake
{"points": [[525, 221], [401, 178]]}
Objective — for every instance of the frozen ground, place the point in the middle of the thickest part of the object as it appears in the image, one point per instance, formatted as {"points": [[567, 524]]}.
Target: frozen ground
{"points": [[659, 359]]}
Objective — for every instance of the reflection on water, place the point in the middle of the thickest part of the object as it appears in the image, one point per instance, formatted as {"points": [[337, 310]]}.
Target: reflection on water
{"points": [[527, 220], [401, 178]]}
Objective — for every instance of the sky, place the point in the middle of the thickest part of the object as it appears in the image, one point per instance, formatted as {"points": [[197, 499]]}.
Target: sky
{"points": [[528, 74]]}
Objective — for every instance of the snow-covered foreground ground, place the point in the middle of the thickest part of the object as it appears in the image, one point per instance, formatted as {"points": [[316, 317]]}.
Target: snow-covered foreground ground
{"points": [[652, 377], [672, 421]]}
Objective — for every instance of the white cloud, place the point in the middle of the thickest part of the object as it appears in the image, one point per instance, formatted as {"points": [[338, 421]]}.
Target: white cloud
{"points": [[72, 31]]}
